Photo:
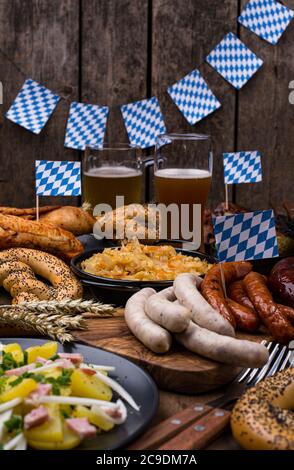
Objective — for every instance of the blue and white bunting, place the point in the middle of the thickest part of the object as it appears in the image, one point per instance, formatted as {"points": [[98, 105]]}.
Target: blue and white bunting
{"points": [[268, 19], [234, 61], [86, 125], [143, 121], [246, 236], [58, 178], [242, 167], [193, 97], [33, 106]]}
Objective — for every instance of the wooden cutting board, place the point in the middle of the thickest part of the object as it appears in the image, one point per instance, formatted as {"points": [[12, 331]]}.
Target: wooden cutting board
{"points": [[179, 370]]}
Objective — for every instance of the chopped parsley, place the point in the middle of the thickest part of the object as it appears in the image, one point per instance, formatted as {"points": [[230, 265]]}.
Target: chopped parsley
{"points": [[7, 362], [54, 357], [28, 375], [25, 358], [14, 424], [3, 381], [62, 381], [65, 414]]}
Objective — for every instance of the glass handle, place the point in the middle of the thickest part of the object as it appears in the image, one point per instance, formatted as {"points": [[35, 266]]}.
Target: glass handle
{"points": [[148, 163]]}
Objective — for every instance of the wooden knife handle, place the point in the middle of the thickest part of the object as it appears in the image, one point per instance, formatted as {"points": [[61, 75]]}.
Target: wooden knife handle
{"points": [[199, 434], [169, 428]]}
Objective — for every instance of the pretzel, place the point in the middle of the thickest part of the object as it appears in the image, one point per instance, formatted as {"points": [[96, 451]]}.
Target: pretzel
{"points": [[18, 270]]}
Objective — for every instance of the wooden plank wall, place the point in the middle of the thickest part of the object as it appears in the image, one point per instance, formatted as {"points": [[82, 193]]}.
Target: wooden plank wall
{"points": [[116, 51]]}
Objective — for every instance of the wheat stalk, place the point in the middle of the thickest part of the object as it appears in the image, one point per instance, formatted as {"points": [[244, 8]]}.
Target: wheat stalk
{"points": [[55, 326], [64, 307], [87, 206]]}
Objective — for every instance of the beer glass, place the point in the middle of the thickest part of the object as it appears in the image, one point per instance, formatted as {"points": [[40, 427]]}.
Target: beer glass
{"points": [[110, 171], [183, 170]]}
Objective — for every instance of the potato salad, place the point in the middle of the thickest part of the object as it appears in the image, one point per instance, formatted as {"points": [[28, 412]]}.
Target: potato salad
{"points": [[54, 401]]}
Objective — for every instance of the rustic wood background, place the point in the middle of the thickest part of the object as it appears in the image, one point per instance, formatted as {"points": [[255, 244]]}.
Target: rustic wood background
{"points": [[116, 51]]}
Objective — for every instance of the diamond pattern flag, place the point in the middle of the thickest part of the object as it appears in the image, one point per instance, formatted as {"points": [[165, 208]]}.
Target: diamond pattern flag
{"points": [[58, 178], [242, 167], [193, 97], [33, 106], [86, 125], [143, 121], [245, 236], [234, 61], [266, 18]]}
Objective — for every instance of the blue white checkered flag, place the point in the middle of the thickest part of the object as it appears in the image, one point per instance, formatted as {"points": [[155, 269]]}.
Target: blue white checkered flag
{"points": [[266, 18], [234, 61], [246, 236], [242, 167], [86, 125], [143, 121], [33, 106], [193, 97], [58, 178]]}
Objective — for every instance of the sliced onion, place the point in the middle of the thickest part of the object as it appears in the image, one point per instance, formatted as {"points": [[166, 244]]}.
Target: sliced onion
{"points": [[4, 417], [22, 445], [99, 367], [10, 404], [13, 443], [102, 411], [61, 400], [118, 389]]}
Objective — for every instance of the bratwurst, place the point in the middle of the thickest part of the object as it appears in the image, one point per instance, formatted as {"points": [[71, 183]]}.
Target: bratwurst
{"points": [[269, 312]]}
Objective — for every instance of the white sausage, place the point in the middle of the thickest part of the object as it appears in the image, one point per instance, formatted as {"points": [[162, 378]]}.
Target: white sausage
{"points": [[186, 289], [162, 309], [224, 349], [149, 333]]}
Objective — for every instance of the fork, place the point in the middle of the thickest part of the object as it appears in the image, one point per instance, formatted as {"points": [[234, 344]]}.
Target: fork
{"points": [[195, 427]]}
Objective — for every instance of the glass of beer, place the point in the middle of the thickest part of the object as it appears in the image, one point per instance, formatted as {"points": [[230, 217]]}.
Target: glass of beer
{"points": [[110, 171], [182, 171]]}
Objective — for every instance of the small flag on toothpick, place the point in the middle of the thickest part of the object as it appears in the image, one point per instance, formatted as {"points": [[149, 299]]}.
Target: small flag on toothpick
{"points": [[58, 178], [242, 167], [246, 236], [33, 106], [232, 59], [143, 121], [268, 19]]}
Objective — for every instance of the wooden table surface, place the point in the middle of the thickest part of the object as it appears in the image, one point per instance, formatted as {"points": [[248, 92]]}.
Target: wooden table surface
{"points": [[171, 403]]}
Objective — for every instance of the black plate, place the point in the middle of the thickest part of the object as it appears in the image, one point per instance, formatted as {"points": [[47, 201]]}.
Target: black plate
{"points": [[116, 291], [137, 382]]}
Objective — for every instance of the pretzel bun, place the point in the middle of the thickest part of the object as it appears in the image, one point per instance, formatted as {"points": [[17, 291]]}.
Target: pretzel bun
{"points": [[262, 419], [18, 267]]}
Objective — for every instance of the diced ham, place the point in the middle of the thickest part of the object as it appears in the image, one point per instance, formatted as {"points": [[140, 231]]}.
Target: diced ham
{"points": [[75, 358], [82, 427], [36, 417], [41, 391], [41, 360], [88, 370], [113, 413], [65, 364], [20, 370]]}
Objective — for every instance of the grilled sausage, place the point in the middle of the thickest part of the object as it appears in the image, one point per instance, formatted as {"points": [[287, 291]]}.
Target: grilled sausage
{"points": [[269, 312], [245, 317], [212, 289]]}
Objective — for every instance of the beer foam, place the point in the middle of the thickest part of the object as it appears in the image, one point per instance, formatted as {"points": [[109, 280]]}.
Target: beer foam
{"points": [[182, 173], [112, 172]]}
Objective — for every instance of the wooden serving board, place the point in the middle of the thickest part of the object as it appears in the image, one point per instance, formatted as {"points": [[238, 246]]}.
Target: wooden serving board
{"points": [[179, 370]]}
